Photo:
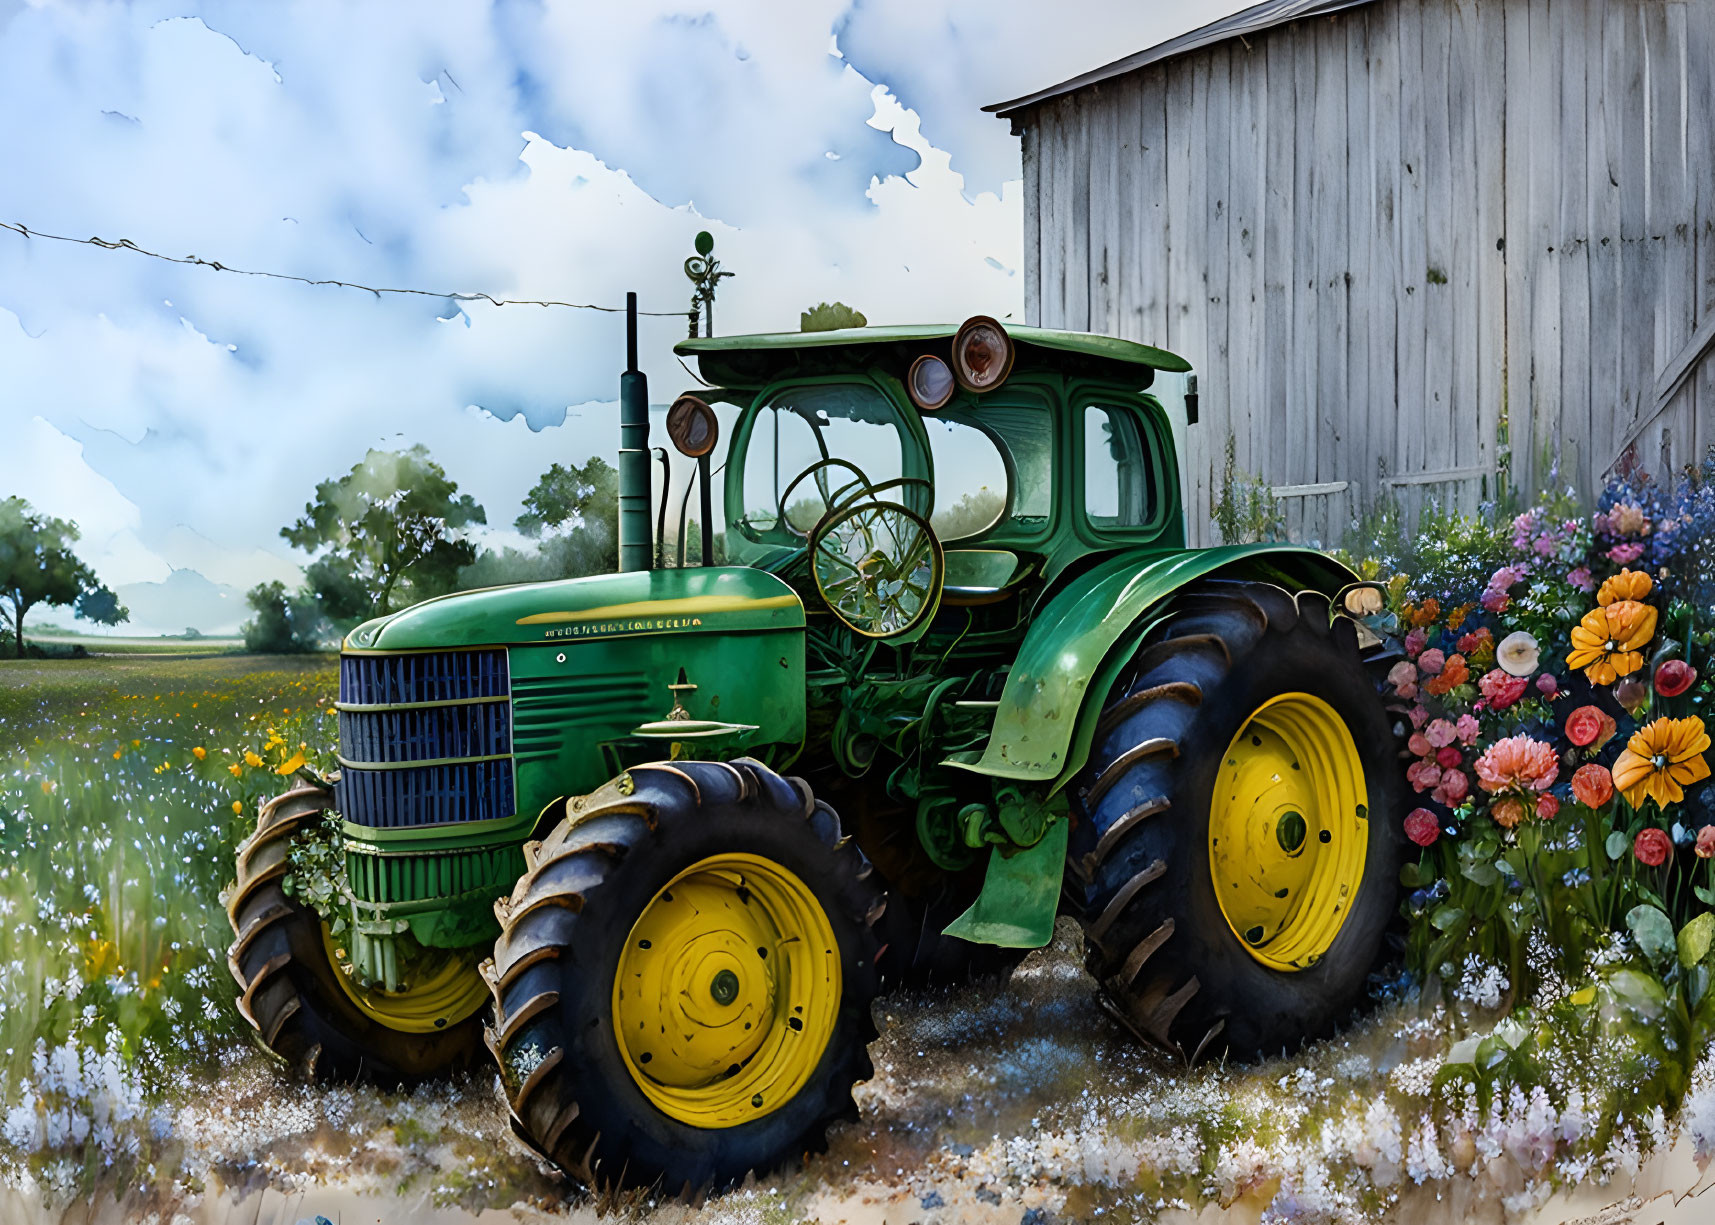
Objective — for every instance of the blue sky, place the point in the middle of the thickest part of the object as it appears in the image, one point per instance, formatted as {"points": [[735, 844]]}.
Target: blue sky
{"points": [[557, 150]]}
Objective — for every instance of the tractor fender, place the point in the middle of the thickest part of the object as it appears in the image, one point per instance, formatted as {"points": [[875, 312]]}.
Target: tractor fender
{"points": [[1077, 644]]}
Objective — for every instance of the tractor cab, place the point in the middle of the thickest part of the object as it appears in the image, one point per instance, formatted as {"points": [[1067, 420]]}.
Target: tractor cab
{"points": [[894, 473]]}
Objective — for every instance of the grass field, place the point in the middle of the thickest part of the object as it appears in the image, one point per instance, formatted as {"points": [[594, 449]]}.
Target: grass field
{"points": [[103, 644], [125, 785]]}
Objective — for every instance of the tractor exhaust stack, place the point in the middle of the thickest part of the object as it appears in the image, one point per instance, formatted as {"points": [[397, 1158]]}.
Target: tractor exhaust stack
{"points": [[634, 492]]}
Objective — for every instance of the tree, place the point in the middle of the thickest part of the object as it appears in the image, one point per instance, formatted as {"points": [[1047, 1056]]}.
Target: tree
{"points": [[828, 316], [284, 624], [575, 513], [589, 494], [387, 533], [37, 566]]}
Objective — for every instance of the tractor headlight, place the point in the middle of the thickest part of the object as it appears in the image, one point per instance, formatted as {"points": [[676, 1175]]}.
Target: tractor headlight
{"points": [[982, 354], [692, 426], [930, 382]]}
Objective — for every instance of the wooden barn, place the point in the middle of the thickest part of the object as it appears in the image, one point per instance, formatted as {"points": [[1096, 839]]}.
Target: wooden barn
{"points": [[1407, 244]]}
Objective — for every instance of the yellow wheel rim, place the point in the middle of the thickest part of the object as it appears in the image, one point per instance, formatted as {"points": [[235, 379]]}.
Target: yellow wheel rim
{"points": [[727, 991], [1289, 830], [448, 992]]}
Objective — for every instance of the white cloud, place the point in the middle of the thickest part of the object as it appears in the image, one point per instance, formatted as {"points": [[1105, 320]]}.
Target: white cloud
{"points": [[564, 151]]}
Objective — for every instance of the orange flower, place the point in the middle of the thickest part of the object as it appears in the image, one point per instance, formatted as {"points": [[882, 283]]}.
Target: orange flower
{"points": [[1592, 785], [1626, 585], [1508, 811], [1659, 760], [1425, 613], [1453, 674], [1608, 642], [199, 752]]}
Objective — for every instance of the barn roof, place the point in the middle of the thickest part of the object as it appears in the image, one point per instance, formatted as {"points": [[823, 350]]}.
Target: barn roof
{"points": [[1253, 20]]}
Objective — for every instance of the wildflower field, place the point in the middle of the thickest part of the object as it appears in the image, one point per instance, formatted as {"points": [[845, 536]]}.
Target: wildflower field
{"points": [[1546, 1023]]}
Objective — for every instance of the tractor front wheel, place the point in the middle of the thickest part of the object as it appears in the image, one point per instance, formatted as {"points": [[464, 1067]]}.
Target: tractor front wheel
{"points": [[1238, 851], [683, 979], [300, 1001]]}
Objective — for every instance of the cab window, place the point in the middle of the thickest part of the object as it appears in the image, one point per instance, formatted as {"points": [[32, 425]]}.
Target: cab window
{"points": [[853, 423], [970, 478], [1120, 480]]}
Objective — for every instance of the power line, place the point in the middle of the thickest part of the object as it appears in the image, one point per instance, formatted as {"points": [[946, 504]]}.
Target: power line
{"points": [[125, 244]]}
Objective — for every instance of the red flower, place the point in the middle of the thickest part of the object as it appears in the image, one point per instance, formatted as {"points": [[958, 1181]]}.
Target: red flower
{"points": [[1424, 827], [1652, 847], [1592, 785], [1547, 805], [1590, 727], [1452, 789], [1448, 758], [1674, 677], [1423, 775], [1706, 842], [1502, 689]]}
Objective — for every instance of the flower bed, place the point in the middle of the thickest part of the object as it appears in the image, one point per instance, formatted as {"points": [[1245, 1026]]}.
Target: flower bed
{"points": [[1555, 680]]}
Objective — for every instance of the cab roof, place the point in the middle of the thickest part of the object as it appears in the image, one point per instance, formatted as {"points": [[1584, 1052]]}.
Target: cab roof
{"points": [[758, 358]]}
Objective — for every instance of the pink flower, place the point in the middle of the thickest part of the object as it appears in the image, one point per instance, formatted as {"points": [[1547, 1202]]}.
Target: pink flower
{"points": [[1403, 677], [1415, 641], [1546, 685], [1441, 733], [1423, 828], [1517, 763], [1419, 744], [1547, 806], [1452, 789], [1423, 775], [1544, 546], [1496, 601], [1706, 842], [1582, 579], [1468, 729], [1448, 758], [1502, 690], [1673, 678], [1625, 554], [1431, 661]]}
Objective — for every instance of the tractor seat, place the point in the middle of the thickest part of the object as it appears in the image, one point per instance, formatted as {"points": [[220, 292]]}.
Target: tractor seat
{"points": [[981, 576]]}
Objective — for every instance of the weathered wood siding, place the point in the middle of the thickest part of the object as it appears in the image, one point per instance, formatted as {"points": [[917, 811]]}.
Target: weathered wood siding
{"points": [[1392, 239]]}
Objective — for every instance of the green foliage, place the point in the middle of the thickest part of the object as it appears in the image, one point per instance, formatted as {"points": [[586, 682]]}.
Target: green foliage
{"points": [[586, 497], [284, 624], [972, 513], [386, 534], [38, 566], [574, 513], [1246, 509], [829, 317]]}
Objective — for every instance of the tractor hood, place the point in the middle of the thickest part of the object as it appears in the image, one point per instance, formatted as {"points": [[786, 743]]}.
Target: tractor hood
{"points": [[721, 599]]}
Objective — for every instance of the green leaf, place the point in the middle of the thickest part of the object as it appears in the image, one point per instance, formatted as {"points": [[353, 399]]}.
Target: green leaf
{"points": [[1706, 896], [1481, 874], [1653, 931], [1617, 844], [1445, 916], [1410, 876], [1697, 985], [1695, 938], [1505, 868]]}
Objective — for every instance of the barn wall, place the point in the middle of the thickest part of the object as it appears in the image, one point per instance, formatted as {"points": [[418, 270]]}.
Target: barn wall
{"points": [[1380, 235]]}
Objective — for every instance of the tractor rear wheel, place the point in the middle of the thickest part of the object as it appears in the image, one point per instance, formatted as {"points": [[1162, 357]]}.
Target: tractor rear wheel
{"points": [[683, 979], [298, 999], [1239, 841]]}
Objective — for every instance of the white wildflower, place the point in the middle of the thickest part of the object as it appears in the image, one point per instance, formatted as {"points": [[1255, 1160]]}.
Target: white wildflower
{"points": [[1423, 1159]]}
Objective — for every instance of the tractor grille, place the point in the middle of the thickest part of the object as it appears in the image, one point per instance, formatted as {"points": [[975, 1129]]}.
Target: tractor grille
{"points": [[424, 739]]}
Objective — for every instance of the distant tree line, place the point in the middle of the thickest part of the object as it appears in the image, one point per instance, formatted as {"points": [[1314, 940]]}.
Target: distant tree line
{"points": [[393, 532]]}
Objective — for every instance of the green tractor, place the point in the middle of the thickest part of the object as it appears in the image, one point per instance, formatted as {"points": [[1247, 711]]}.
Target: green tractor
{"points": [[957, 604]]}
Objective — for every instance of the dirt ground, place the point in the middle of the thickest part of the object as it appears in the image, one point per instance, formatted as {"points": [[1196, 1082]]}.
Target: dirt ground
{"points": [[1011, 1103]]}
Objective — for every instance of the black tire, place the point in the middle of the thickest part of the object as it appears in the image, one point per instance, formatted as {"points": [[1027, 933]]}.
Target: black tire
{"points": [[567, 923], [288, 992], [1169, 964]]}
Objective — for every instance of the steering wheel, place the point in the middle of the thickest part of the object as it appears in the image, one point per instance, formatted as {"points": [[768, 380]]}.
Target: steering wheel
{"points": [[878, 566], [844, 493]]}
